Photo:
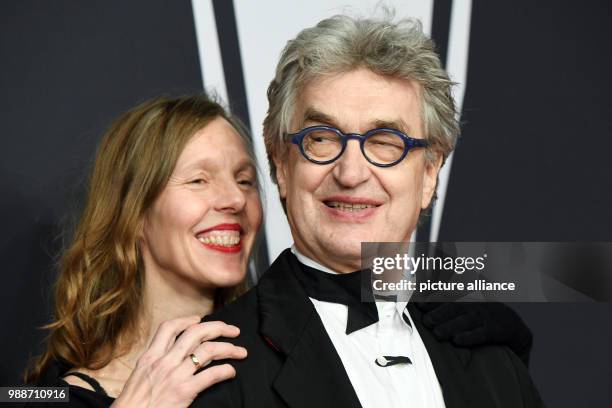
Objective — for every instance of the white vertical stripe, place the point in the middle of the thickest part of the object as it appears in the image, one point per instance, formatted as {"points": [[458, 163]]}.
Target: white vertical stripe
{"points": [[208, 48], [456, 65], [211, 63]]}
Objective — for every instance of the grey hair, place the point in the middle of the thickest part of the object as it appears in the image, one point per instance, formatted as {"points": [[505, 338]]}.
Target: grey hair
{"points": [[341, 44]]}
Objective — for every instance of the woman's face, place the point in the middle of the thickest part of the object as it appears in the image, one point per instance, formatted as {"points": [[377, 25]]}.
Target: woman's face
{"points": [[201, 228]]}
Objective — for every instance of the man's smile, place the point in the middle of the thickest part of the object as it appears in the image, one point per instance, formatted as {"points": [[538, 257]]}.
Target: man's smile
{"points": [[351, 208]]}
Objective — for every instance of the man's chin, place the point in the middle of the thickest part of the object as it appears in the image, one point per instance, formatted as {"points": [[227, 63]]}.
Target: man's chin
{"points": [[346, 256]]}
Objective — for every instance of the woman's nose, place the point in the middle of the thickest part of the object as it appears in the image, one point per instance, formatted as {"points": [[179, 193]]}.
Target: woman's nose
{"points": [[229, 197]]}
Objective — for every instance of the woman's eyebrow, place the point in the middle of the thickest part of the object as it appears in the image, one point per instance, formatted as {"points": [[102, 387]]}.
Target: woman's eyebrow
{"points": [[200, 164], [246, 164], [208, 164]]}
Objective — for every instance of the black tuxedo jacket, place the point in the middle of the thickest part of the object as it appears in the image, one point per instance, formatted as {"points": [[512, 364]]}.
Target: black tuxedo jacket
{"points": [[292, 362]]}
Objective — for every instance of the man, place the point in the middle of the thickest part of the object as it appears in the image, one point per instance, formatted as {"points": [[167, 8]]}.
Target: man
{"points": [[360, 121]]}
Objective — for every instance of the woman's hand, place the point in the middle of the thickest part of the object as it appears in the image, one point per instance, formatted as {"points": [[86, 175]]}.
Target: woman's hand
{"points": [[471, 324], [164, 374]]}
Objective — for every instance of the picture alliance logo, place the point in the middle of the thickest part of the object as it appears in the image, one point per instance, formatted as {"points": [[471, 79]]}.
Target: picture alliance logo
{"points": [[413, 264]]}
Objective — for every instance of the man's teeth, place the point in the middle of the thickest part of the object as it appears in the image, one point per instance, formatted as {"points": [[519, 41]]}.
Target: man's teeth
{"points": [[348, 206], [226, 239]]}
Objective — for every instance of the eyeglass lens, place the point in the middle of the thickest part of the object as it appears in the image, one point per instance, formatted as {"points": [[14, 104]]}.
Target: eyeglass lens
{"points": [[380, 147]]}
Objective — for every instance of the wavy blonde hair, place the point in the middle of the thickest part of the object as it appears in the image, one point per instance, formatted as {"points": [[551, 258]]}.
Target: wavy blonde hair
{"points": [[98, 294]]}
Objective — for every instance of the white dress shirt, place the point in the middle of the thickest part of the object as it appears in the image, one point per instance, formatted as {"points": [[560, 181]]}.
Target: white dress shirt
{"points": [[399, 386]]}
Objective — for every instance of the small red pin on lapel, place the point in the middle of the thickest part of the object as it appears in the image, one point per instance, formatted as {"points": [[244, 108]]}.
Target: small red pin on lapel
{"points": [[267, 340]]}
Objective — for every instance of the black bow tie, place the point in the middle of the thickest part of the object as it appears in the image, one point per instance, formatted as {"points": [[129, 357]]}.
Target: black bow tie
{"points": [[351, 289]]}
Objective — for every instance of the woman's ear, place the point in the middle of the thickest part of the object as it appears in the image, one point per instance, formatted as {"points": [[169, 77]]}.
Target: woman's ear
{"points": [[140, 229]]}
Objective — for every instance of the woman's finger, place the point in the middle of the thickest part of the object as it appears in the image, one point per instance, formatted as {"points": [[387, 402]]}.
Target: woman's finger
{"points": [[166, 333], [210, 376], [218, 350], [210, 351], [190, 387], [471, 338], [443, 313], [197, 334], [459, 324]]}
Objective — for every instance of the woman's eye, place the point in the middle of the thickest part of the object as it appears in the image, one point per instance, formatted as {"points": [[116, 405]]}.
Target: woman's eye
{"points": [[246, 182], [197, 181]]}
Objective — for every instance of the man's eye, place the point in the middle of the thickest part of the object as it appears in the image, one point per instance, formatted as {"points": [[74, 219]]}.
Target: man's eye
{"points": [[324, 139], [387, 144]]}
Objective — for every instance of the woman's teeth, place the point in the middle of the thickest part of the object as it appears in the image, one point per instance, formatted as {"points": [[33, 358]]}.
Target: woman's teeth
{"points": [[225, 239], [348, 206]]}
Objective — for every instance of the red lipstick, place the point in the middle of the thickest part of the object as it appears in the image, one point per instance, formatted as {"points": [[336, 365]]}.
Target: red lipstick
{"points": [[223, 227], [231, 249]]}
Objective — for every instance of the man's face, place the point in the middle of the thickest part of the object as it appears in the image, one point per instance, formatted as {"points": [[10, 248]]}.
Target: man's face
{"points": [[325, 202]]}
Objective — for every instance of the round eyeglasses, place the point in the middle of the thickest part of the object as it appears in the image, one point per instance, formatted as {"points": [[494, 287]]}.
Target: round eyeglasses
{"points": [[382, 147]]}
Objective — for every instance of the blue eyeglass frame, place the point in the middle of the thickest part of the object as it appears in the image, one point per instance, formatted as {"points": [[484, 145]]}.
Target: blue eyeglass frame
{"points": [[409, 142]]}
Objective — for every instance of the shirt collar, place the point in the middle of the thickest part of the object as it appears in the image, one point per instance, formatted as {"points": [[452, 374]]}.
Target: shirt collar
{"points": [[310, 262], [399, 306]]}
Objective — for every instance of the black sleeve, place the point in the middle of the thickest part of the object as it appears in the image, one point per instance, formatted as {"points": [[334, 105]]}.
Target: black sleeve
{"points": [[531, 396]]}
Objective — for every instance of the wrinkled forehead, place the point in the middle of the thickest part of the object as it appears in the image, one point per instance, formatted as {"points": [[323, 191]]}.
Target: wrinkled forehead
{"points": [[358, 101], [216, 146]]}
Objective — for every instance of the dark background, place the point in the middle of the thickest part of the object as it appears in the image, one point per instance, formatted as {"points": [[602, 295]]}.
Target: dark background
{"points": [[533, 163], [67, 69]]}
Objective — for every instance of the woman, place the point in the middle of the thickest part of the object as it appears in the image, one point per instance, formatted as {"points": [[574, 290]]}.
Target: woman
{"points": [[170, 221]]}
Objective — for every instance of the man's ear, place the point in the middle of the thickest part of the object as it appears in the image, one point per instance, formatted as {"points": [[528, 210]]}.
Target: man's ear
{"points": [[281, 174], [430, 179]]}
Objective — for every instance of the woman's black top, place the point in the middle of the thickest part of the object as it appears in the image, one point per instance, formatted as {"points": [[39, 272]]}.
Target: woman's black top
{"points": [[79, 397]]}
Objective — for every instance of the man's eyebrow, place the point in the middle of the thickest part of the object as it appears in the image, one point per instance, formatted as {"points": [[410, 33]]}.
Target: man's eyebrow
{"points": [[314, 115], [394, 124]]}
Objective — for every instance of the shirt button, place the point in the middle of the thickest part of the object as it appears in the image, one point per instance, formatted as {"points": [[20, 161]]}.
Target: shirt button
{"points": [[382, 361]]}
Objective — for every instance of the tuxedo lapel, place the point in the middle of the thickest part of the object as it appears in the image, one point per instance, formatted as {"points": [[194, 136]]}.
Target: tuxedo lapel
{"points": [[312, 374], [449, 363]]}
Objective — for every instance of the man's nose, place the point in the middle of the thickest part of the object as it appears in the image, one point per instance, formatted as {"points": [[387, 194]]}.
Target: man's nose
{"points": [[352, 168], [229, 197]]}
